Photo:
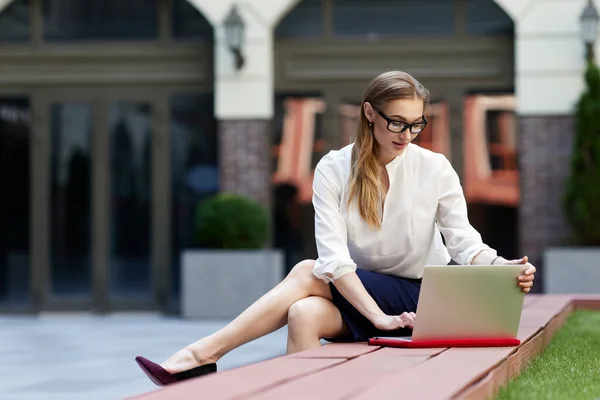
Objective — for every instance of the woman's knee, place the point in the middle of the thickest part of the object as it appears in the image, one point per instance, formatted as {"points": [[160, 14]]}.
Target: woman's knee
{"points": [[302, 317], [314, 317]]}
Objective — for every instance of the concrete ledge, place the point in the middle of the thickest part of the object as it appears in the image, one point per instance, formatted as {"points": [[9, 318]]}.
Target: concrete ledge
{"points": [[222, 284]]}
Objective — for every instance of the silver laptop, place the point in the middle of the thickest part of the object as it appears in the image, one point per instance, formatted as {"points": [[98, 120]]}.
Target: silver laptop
{"points": [[469, 301]]}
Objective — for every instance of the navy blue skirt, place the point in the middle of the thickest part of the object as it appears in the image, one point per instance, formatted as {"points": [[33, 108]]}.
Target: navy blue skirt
{"points": [[394, 296]]}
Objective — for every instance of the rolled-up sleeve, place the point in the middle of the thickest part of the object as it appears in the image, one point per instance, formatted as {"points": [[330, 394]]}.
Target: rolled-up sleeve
{"points": [[334, 259], [462, 239]]}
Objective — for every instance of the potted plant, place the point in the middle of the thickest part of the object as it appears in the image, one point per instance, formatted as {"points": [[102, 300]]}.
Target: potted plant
{"points": [[576, 269], [231, 268]]}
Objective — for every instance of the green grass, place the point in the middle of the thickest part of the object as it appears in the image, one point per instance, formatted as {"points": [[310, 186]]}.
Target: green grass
{"points": [[568, 369]]}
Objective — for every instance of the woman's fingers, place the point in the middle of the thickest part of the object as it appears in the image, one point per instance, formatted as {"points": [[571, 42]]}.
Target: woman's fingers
{"points": [[397, 322], [531, 270], [409, 319], [526, 278]]}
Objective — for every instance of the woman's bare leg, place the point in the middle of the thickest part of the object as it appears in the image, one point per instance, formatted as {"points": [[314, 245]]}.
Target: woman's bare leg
{"points": [[310, 320], [266, 315]]}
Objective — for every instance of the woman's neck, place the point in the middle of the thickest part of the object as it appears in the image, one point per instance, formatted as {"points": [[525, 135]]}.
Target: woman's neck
{"points": [[385, 159]]}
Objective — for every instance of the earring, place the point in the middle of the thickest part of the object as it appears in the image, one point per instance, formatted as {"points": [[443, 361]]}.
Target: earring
{"points": [[370, 124]]}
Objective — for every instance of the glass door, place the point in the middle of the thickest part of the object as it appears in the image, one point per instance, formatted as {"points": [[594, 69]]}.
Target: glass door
{"points": [[137, 248], [130, 133], [71, 132], [106, 214], [16, 144]]}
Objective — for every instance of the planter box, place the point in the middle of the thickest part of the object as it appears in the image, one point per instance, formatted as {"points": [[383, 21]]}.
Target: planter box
{"points": [[572, 270], [220, 284]]}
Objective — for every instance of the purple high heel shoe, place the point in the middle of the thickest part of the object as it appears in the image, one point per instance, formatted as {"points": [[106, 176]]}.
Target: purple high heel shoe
{"points": [[161, 377]]}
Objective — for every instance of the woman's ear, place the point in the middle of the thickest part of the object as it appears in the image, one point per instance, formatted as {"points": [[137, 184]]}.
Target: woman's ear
{"points": [[368, 110]]}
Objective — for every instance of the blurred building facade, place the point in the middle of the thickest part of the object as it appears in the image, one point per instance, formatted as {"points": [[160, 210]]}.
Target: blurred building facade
{"points": [[118, 117]]}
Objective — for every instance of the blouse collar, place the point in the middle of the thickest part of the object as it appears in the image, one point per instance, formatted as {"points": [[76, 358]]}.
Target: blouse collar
{"points": [[398, 159]]}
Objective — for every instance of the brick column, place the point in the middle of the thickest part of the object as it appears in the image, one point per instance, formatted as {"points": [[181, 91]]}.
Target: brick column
{"points": [[545, 144], [244, 158]]}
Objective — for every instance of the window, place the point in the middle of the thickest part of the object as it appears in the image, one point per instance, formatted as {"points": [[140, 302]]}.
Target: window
{"points": [[99, 19], [15, 22], [392, 18], [103, 20], [188, 22], [305, 20], [485, 17]]}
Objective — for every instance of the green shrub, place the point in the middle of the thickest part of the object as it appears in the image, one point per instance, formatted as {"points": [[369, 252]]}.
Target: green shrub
{"points": [[228, 221], [581, 199]]}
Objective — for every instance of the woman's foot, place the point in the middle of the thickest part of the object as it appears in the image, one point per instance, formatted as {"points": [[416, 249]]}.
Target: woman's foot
{"points": [[189, 362], [184, 360], [162, 377]]}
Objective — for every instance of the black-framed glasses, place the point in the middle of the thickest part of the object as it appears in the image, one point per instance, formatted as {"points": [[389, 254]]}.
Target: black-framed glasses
{"points": [[399, 126]]}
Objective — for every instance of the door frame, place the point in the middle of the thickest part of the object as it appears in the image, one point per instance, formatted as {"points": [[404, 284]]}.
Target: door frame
{"points": [[101, 300]]}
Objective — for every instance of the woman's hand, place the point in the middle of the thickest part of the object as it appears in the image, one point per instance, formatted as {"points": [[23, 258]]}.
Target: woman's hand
{"points": [[393, 322], [525, 280]]}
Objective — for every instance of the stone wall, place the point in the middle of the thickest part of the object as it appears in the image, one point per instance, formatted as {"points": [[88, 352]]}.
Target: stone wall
{"points": [[545, 144], [244, 158]]}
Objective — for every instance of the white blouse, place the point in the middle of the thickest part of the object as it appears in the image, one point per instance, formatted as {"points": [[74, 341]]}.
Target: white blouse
{"points": [[424, 188]]}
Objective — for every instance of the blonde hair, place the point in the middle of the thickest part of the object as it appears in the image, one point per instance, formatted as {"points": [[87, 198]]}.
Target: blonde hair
{"points": [[365, 175]]}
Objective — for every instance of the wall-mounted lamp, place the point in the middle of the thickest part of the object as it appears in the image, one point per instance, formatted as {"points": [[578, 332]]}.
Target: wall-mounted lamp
{"points": [[234, 34], [589, 28]]}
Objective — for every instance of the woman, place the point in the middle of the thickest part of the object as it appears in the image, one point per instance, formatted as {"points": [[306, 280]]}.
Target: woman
{"points": [[381, 206]]}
